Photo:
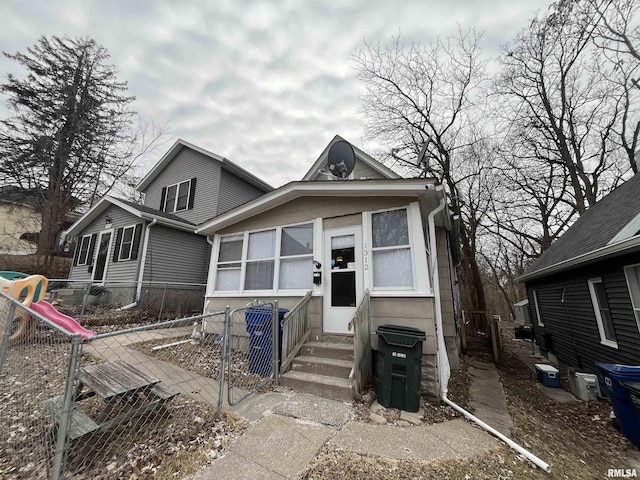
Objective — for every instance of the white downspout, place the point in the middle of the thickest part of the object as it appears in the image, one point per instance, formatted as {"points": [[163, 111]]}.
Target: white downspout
{"points": [[442, 359], [206, 291], [145, 245]]}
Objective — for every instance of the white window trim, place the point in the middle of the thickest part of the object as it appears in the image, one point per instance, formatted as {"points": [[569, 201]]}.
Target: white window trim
{"points": [[421, 285], [537, 307], [636, 308], [86, 259], [596, 309], [242, 292], [175, 200], [133, 237]]}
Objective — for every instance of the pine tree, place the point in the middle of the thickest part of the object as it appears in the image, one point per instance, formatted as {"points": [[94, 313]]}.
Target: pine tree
{"points": [[69, 135]]}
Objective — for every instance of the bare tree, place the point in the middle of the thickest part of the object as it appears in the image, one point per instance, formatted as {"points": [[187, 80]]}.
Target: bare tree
{"points": [[427, 100]]}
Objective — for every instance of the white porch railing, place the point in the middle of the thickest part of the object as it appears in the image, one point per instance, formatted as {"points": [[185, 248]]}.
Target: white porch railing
{"points": [[361, 326], [296, 328]]}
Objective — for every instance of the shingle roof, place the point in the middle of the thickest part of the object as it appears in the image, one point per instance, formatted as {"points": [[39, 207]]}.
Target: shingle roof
{"points": [[594, 229], [153, 211]]}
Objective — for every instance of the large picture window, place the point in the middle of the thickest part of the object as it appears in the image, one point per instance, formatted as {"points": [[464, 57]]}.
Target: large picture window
{"points": [[277, 259], [602, 312], [391, 251], [632, 273]]}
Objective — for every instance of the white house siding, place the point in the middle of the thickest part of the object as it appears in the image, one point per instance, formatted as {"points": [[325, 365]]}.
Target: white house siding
{"points": [[176, 256], [119, 271], [186, 165], [363, 171], [234, 192]]}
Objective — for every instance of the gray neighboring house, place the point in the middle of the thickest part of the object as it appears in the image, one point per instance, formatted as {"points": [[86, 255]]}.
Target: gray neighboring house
{"points": [[584, 291], [124, 242]]}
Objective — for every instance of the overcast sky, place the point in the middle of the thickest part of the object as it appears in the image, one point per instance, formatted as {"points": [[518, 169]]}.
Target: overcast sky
{"points": [[265, 84]]}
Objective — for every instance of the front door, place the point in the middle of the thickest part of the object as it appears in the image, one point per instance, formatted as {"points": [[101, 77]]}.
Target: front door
{"points": [[104, 249], [343, 284]]}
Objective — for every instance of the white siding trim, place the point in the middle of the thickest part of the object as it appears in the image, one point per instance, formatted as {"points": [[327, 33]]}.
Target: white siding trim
{"points": [[596, 310]]}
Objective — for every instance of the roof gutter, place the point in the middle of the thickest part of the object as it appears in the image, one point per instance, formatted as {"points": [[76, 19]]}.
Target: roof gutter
{"points": [[444, 369], [591, 256]]}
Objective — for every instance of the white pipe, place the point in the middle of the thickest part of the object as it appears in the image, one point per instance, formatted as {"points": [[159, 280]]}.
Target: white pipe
{"points": [[127, 307], [443, 361], [143, 263], [168, 345]]}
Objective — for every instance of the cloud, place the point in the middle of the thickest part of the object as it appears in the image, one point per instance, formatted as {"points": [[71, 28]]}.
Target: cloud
{"points": [[266, 85]]}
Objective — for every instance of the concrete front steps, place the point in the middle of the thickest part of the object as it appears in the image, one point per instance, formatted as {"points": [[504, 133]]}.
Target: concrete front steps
{"points": [[322, 368]]}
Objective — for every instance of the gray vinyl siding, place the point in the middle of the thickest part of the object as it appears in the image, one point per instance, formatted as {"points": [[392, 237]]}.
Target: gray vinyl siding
{"points": [[126, 271], [234, 192], [570, 331], [186, 165], [176, 256]]}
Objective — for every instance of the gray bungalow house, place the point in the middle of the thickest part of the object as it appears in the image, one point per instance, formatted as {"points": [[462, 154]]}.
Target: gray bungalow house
{"points": [[130, 243], [338, 238], [584, 291]]}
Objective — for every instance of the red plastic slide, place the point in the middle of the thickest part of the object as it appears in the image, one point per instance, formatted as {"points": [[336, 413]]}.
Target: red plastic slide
{"points": [[49, 312]]}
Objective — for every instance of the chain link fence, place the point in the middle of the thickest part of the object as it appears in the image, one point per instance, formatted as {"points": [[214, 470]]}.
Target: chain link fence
{"points": [[119, 303], [121, 403]]}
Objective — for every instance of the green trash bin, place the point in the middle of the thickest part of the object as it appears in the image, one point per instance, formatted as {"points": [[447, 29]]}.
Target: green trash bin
{"points": [[399, 366]]}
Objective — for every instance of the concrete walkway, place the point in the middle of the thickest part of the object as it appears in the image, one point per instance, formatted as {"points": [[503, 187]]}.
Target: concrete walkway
{"points": [[289, 429]]}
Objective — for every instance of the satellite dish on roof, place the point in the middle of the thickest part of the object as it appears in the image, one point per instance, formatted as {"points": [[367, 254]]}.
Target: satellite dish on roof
{"points": [[341, 159]]}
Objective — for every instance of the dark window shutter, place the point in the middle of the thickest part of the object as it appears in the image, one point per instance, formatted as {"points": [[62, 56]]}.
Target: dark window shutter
{"points": [[116, 248], [136, 241], [92, 246], [163, 197], [77, 252], [192, 193]]}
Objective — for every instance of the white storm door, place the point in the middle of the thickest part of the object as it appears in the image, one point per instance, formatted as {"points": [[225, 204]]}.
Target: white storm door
{"points": [[342, 286], [102, 257]]}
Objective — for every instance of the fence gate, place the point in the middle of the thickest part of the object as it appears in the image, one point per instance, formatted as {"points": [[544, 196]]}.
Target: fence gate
{"points": [[251, 349]]}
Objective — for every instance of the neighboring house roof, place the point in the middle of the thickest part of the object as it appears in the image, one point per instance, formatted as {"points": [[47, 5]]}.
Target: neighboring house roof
{"points": [[226, 164], [321, 162], [346, 188], [141, 211], [608, 227]]}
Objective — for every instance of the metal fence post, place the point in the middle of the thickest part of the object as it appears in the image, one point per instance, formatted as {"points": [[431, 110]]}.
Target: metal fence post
{"points": [[164, 293], [85, 298], [275, 328], [6, 335], [225, 343], [67, 409]]}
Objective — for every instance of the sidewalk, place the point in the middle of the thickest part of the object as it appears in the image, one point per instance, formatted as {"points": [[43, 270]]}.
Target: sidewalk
{"points": [[291, 428]]}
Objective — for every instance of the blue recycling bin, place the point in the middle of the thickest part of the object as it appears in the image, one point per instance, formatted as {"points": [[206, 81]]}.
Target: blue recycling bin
{"points": [[258, 325], [627, 413]]}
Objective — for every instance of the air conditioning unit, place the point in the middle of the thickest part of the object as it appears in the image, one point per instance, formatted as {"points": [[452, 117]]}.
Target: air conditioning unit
{"points": [[585, 386]]}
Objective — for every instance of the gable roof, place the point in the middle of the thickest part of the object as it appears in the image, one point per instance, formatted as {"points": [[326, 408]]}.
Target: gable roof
{"points": [[140, 211], [426, 188], [226, 164], [610, 226], [360, 156]]}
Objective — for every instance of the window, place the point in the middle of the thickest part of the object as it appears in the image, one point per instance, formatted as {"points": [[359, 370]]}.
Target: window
{"points": [[277, 259], [537, 307], [83, 250], [126, 246], [632, 273], [392, 264], [260, 261], [296, 257], [178, 197], [603, 314], [229, 263]]}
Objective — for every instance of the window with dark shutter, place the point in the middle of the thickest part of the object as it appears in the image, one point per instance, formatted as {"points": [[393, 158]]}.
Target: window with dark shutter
{"points": [[116, 250]]}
